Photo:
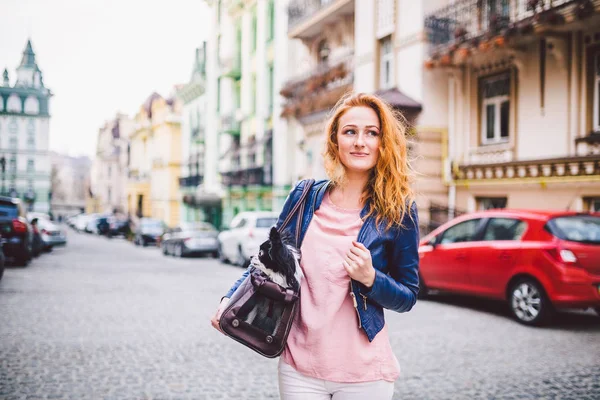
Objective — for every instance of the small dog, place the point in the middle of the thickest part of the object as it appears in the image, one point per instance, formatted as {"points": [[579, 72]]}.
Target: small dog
{"points": [[279, 259]]}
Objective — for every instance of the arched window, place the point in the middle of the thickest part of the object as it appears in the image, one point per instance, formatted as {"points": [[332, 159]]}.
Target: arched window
{"points": [[14, 104], [32, 105], [323, 52]]}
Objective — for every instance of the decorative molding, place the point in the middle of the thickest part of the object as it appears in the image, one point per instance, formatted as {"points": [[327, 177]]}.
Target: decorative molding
{"points": [[584, 167], [409, 40]]}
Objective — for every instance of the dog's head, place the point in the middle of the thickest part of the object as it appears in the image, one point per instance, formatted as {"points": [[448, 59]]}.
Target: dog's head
{"points": [[278, 254]]}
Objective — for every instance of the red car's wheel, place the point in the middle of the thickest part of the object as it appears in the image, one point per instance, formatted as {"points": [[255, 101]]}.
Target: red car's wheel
{"points": [[529, 303]]}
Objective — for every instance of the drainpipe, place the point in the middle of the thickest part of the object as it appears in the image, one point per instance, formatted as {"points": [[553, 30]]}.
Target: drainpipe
{"points": [[450, 144]]}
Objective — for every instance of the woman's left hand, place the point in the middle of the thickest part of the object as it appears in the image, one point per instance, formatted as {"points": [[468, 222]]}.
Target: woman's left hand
{"points": [[359, 265]]}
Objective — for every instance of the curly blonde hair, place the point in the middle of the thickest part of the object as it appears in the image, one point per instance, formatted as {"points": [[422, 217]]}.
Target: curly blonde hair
{"points": [[388, 189]]}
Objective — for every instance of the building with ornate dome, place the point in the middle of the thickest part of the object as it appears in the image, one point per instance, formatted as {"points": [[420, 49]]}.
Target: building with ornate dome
{"points": [[24, 131]]}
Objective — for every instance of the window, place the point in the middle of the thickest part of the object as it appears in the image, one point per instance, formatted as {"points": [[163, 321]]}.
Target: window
{"points": [[254, 31], [487, 203], [30, 165], [597, 92], [13, 126], [265, 222], [386, 59], [31, 133], [13, 142], [323, 52], [32, 105], [270, 88], [385, 17], [463, 232], [108, 171], [12, 164], [271, 20], [504, 229], [579, 228], [495, 109], [496, 14], [592, 204], [253, 94], [14, 104], [238, 223]]}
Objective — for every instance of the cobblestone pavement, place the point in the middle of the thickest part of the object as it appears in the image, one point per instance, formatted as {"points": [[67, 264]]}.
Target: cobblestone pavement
{"points": [[102, 319]]}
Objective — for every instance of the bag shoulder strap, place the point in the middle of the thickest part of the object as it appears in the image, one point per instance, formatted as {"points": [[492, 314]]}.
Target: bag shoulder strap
{"points": [[299, 203]]}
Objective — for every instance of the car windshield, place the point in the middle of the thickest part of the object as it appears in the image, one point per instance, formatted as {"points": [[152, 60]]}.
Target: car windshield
{"points": [[579, 228], [152, 224], [266, 222], [197, 226], [8, 210]]}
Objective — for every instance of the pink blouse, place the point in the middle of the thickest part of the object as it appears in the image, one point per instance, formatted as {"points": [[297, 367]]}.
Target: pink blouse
{"points": [[325, 341]]}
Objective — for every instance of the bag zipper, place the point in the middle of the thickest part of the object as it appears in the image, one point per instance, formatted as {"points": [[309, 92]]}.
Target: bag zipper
{"points": [[355, 303]]}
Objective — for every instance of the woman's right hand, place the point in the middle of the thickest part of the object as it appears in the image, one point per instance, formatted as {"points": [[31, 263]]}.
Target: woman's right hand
{"points": [[215, 319]]}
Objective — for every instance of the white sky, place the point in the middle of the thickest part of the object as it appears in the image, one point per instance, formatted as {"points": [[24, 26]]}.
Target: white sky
{"points": [[100, 57]]}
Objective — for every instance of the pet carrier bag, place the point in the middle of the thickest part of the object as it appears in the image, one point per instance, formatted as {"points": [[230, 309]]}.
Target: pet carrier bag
{"points": [[260, 313]]}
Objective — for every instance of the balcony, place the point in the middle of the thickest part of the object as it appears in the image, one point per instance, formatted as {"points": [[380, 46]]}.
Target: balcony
{"points": [[308, 18], [484, 24], [191, 181], [197, 134], [230, 124], [319, 89], [567, 168], [254, 176], [231, 67]]}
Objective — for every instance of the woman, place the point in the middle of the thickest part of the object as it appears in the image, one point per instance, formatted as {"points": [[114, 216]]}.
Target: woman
{"points": [[359, 255]]}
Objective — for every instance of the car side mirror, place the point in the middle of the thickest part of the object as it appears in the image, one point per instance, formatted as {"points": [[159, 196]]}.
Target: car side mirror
{"points": [[433, 243]]}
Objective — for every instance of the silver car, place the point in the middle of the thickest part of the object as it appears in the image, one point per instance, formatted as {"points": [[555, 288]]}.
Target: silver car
{"points": [[51, 234], [190, 239]]}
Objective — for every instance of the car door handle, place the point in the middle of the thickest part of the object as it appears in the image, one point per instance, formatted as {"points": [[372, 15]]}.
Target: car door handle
{"points": [[505, 256], [461, 257]]}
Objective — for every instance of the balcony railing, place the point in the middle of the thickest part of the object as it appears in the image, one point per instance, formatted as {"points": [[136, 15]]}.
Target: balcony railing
{"points": [[230, 124], [191, 181], [231, 67], [583, 166], [256, 176], [469, 19], [300, 10], [197, 134], [318, 89]]}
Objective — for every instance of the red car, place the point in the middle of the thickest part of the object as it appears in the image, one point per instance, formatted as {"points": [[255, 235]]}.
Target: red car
{"points": [[538, 261]]}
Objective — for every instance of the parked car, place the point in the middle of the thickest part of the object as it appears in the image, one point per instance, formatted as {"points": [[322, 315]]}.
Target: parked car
{"points": [[244, 236], [37, 245], [51, 234], [81, 222], [92, 223], [537, 261], [2, 259], [17, 233], [189, 239], [148, 231], [118, 226]]}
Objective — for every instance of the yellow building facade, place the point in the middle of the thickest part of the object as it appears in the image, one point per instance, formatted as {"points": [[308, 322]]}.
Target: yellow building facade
{"points": [[155, 159]]}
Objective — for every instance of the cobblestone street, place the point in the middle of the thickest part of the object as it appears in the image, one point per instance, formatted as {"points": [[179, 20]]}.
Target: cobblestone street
{"points": [[102, 319]]}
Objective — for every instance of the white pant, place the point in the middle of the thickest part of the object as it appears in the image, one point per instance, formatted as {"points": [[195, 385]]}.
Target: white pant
{"points": [[295, 386]]}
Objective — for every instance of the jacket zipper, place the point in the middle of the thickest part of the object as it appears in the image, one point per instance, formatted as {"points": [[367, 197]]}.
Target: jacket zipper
{"points": [[364, 301], [355, 303]]}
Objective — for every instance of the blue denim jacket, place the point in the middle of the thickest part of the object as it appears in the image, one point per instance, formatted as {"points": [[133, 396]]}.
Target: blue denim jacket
{"points": [[395, 259]]}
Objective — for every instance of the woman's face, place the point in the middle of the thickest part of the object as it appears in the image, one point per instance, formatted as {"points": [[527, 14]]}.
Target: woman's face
{"points": [[359, 138]]}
